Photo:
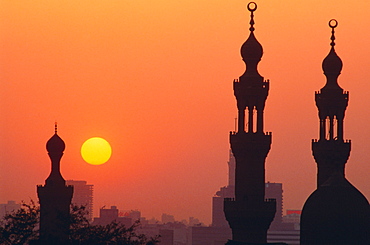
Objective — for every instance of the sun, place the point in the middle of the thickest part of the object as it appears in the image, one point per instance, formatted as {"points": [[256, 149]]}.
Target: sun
{"points": [[96, 151]]}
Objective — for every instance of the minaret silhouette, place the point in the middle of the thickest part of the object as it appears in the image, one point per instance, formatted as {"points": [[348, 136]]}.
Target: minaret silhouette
{"points": [[249, 214], [336, 213], [55, 198], [331, 152]]}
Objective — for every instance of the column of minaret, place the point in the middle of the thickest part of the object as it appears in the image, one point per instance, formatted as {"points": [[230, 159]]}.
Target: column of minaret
{"points": [[250, 215], [55, 198]]}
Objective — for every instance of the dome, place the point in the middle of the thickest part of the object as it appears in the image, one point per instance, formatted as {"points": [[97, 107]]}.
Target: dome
{"points": [[55, 144], [332, 64], [251, 49], [336, 213]]}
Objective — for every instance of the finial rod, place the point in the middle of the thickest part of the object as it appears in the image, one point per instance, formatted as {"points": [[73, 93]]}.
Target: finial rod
{"points": [[333, 23], [252, 6], [56, 127]]}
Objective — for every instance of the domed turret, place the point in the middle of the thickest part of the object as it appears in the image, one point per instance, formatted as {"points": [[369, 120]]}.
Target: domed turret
{"points": [[55, 147], [251, 50], [332, 65]]}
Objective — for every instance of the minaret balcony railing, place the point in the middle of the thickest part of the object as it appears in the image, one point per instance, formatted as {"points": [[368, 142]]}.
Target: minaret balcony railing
{"points": [[263, 133], [333, 140]]}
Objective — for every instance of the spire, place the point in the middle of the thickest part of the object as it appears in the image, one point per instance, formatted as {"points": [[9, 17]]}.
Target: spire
{"points": [[251, 51], [332, 64], [333, 23], [252, 6]]}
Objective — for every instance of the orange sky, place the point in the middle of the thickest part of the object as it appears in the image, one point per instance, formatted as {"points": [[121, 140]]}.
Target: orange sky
{"points": [[154, 78]]}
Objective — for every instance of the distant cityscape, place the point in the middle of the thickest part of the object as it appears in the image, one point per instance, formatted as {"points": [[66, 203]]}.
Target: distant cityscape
{"points": [[284, 228]]}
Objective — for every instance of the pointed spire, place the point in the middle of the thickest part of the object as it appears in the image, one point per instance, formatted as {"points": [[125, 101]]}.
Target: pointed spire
{"points": [[252, 6], [56, 127], [333, 23]]}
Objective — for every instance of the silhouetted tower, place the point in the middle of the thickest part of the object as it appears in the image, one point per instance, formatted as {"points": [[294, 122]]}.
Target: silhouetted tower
{"points": [[249, 214], [331, 152], [336, 212], [55, 198]]}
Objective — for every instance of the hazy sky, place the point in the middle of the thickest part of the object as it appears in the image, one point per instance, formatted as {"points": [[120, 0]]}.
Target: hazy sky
{"points": [[154, 78]]}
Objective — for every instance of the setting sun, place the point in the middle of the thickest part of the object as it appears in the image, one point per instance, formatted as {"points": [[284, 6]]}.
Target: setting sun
{"points": [[96, 151]]}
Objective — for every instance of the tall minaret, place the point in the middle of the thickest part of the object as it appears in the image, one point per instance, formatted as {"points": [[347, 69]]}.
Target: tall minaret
{"points": [[331, 152], [249, 214], [55, 198], [336, 212]]}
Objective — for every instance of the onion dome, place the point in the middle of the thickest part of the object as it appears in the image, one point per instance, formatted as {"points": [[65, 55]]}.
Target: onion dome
{"points": [[55, 144], [251, 50], [332, 64], [336, 213]]}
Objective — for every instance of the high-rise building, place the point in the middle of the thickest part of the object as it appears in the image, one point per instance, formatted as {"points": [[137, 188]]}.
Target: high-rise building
{"points": [[83, 195], [55, 198], [336, 212], [6, 208], [249, 214], [218, 215], [275, 191], [167, 218], [108, 215], [293, 217]]}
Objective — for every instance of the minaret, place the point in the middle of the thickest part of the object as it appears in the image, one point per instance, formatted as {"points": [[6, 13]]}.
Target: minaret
{"points": [[249, 214], [336, 212], [55, 198], [331, 152]]}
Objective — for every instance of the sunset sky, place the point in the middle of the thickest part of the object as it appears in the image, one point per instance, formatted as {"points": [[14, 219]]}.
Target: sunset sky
{"points": [[154, 78]]}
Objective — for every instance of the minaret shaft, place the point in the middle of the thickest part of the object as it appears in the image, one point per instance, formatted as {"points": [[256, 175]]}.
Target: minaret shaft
{"points": [[331, 152], [55, 199], [249, 214]]}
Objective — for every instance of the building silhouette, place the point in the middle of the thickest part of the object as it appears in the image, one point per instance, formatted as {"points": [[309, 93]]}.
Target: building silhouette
{"points": [[7, 208], [218, 215], [275, 191], [249, 214], [55, 198], [167, 218], [336, 212], [82, 196], [108, 215]]}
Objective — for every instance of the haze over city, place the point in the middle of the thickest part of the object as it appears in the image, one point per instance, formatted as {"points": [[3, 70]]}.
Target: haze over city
{"points": [[154, 78]]}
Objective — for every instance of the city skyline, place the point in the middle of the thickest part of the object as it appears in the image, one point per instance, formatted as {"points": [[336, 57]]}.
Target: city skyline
{"points": [[155, 80]]}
